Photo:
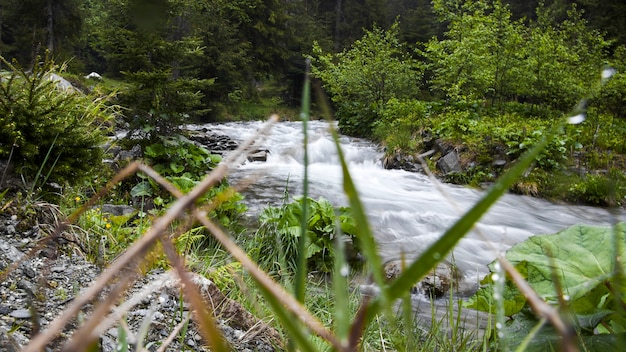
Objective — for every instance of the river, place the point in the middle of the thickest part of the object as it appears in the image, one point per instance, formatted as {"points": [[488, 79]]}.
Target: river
{"points": [[406, 211]]}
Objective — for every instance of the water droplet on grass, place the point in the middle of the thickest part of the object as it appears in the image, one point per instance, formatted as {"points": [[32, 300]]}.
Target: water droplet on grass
{"points": [[345, 271], [574, 120], [608, 72]]}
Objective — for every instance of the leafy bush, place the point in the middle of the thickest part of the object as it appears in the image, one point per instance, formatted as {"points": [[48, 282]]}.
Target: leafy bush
{"points": [[508, 135], [361, 80], [49, 132], [598, 189], [575, 267], [276, 241], [406, 119], [184, 164]]}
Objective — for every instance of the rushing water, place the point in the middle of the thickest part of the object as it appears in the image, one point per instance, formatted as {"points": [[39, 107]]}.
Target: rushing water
{"points": [[406, 211]]}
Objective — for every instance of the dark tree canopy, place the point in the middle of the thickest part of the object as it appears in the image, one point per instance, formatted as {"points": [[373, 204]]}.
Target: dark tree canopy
{"points": [[243, 43]]}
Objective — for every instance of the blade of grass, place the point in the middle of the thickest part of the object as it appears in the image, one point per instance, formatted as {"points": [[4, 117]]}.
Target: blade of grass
{"points": [[364, 232], [340, 287], [440, 249], [531, 334], [301, 269]]}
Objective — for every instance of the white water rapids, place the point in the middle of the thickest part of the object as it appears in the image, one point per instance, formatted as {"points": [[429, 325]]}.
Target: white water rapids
{"points": [[406, 211]]}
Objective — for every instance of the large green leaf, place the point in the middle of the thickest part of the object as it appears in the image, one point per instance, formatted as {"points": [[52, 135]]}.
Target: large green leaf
{"points": [[514, 300], [577, 264], [581, 258]]}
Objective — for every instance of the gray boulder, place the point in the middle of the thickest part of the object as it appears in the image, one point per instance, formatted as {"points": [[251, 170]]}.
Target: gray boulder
{"points": [[449, 163]]}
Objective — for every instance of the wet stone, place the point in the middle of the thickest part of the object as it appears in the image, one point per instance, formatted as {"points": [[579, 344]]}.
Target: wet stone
{"points": [[21, 314]]}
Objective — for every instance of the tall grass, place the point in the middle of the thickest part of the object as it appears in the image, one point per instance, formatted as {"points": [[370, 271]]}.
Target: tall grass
{"points": [[352, 322]]}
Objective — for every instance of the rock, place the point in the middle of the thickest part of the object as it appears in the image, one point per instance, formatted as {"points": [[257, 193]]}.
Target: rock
{"points": [[402, 161], [499, 163], [118, 210], [392, 271], [21, 314], [449, 163], [435, 284], [61, 83], [438, 282], [216, 144], [442, 146], [8, 254], [128, 155], [94, 76], [258, 155]]}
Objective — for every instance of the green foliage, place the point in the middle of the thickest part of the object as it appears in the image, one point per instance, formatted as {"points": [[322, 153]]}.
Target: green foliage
{"points": [[612, 96], [577, 266], [275, 243], [505, 136], [107, 235], [599, 189], [480, 57], [363, 79], [487, 56], [158, 105], [52, 134], [177, 156], [185, 164], [406, 119]]}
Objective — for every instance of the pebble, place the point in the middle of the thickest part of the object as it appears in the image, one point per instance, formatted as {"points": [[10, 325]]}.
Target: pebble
{"points": [[58, 269], [21, 314]]}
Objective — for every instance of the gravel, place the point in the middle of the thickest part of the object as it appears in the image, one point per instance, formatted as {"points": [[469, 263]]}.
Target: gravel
{"points": [[38, 291]]}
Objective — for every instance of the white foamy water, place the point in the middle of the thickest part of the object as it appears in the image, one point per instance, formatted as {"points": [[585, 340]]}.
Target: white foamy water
{"points": [[406, 211]]}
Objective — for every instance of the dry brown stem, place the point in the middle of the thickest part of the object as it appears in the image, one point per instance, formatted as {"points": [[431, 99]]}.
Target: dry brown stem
{"points": [[140, 248]]}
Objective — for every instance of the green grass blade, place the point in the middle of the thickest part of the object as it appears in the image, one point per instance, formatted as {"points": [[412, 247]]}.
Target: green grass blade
{"points": [[364, 232], [301, 269], [531, 335], [297, 335], [340, 287], [444, 245]]}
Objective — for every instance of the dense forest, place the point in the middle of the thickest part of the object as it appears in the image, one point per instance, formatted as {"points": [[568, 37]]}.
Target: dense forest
{"points": [[240, 44], [487, 77]]}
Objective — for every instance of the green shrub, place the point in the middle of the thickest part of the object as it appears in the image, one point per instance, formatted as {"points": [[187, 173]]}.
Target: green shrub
{"points": [[185, 164], [50, 133], [406, 119], [361, 80], [276, 241], [599, 189]]}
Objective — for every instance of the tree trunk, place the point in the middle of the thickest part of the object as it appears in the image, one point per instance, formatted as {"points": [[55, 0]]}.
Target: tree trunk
{"points": [[337, 45], [50, 26], [1, 21]]}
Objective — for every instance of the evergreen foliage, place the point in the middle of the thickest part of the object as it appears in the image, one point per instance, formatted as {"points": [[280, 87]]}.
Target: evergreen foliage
{"points": [[49, 132]]}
